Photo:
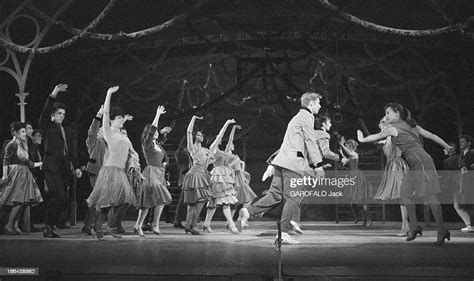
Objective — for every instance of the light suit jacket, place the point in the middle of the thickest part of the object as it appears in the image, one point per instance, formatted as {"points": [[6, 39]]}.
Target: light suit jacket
{"points": [[299, 148]]}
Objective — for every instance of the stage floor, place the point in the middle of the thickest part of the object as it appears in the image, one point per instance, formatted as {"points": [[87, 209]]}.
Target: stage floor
{"points": [[328, 251]]}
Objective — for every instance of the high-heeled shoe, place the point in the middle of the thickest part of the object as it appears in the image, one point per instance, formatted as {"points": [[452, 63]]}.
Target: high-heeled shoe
{"points": [[412, 234], [192, 230], [233, 229], [403, 233], [178, 225], [207, 228], [49, 233], [441, 237], [138, 231], [17, 229], [156, 231]]}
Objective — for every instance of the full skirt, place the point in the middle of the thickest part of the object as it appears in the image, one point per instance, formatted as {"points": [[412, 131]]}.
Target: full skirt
{"points": [[20, 188]]}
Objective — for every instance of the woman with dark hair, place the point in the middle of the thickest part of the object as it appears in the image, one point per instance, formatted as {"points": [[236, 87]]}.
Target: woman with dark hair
{"points": [[153, 191], [112, 188], [20, 187], [245, 194], [392, 179], [222, 184], [422, 179], [197, 181]]}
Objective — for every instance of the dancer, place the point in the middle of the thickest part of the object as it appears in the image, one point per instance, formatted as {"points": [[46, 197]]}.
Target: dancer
{"points": [[184, 162], [298, 156], [245, 194], [60, 154], [361, 191], [196, 182], [153, 192], [466, 191], [422, 179], [112, 188], [20, 188], [395, 170], [222, 184]]}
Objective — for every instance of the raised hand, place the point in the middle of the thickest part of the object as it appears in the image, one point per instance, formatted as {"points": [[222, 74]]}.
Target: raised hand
{"points": [[238, 127], [59, 88], [160, 110], [360, 135], [127, 117], [230, 121], [112, 90], [197, 117], [166, 130]]}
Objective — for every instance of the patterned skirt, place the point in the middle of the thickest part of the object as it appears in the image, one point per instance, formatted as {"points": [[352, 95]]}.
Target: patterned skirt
{"points": [[111, 189], [20, 188], [244, 192], [392, 179], [196, 185], [153, 190], [222, 186]]}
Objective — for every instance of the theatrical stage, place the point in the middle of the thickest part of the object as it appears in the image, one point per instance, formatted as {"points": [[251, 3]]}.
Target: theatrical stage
{"points": [[328, 251]]}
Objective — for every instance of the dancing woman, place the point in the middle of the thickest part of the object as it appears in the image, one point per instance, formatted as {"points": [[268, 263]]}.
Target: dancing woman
{"points": [[245, 194], [422, 179], [392, 179], [222, 184], [153, 192], [197, 182], [112, 188], [361, 191], [20, 187]]}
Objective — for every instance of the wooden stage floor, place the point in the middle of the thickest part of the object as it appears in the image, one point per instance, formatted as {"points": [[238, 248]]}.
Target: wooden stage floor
{"points": [[328, 251]]}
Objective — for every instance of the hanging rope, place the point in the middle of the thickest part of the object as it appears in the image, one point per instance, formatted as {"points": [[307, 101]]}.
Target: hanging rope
{"points": [[20, 49], [456, 28]]}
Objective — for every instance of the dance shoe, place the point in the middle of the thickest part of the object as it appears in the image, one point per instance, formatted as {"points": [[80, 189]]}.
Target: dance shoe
{"points": [[412, 234], [287, 240], [296, 227], [192, 230], [468, 229], [243, 218], [207, 228], [441, 237], [49, 233]]}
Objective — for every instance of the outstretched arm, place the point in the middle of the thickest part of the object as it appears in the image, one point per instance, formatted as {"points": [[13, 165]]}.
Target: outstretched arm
{"points": [[106, 115], [433, 137], [189, 133], [231, 138], [45, 116], [388, 132], [215, 145]]}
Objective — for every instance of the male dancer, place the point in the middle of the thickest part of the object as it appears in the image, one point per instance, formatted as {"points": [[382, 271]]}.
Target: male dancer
{"points": [[298, 156], [466, 164], [60, 155]]}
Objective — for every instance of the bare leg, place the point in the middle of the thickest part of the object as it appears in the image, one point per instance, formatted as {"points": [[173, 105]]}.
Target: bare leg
{"points": [[197, 213], [209, 215], [230, 221], [437, 212], [140, 219], [13, 218], [405, 227], [461, 212], [156, 218]]}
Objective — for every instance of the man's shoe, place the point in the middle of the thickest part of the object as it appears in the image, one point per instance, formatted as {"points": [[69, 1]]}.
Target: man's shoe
{"points": [[147, 227], [468, 229], [243, 218], [296, 227], [49, 233], [287, 240]]}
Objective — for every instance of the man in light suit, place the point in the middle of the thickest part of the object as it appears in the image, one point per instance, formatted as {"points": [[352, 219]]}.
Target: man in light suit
{"points": [[298, 156]]}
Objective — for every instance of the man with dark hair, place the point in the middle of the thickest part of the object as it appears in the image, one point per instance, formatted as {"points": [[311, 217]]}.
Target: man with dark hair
{"points": [[60, 157], [466, 164]]}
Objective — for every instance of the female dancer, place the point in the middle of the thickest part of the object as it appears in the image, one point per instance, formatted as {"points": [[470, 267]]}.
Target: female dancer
{"points": [[395, 170], [112, 188], [245, 194], [361, 191], [20, 187], [196, 182], [421, 180], [222, 184], [153, 192]]}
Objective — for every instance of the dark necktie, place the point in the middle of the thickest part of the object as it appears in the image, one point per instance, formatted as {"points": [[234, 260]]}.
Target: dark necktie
{"points": [[64, 138]]}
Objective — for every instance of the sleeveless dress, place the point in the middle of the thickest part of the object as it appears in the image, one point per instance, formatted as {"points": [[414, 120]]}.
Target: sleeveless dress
{"points": [[197, 181], [222, 180], [20, 187], [362, 190], [395, 171], [242, 180], [421, 178], [112, 187], [153, 190]]}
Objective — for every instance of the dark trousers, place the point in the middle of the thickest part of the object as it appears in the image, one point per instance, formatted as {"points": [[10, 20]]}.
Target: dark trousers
{"points": [[57, 183], [280, 192]]}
